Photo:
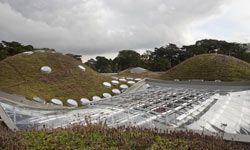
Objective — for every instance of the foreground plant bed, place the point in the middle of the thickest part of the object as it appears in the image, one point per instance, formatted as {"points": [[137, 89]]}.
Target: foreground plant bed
{"points": [[99, 137]]}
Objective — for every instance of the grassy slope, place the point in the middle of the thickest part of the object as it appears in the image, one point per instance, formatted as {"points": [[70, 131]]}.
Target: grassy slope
{"points": [[210, 67], [21, 74], [98, 137]]}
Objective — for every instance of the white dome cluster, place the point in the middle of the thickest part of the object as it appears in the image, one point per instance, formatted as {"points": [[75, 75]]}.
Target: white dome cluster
{"points": [[120, 85], [117, 84]]}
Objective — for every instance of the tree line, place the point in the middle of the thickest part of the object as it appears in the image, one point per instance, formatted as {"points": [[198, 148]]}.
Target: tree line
{"points": [[166, 57], [13, 48], [160, 59]]}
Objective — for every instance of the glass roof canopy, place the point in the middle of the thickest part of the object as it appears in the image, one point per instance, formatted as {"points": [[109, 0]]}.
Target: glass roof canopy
{"points": [[153, 105]]}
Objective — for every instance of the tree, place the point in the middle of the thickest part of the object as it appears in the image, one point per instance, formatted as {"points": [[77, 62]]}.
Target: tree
{"points": [[145, 58], [160, 64], [3, 54], [103, 65], [91, 63], [127, 59], [13, 48], [28, 48], [167, 57], [1, 46], [216, 46]]}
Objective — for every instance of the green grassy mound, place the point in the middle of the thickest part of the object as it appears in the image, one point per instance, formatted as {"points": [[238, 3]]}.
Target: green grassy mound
{"points": [[210, 67], [20, 74], [98, 137]]}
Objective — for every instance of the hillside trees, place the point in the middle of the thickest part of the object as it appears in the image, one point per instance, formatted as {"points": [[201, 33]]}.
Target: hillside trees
{"points": [[103, 64], [168, 56], [127, 59], [160, 59], [164, 57], [216, 46], [13, 48]]}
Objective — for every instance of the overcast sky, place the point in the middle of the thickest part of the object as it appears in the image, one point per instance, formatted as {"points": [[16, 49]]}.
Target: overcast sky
{"points": [[98, 27]]}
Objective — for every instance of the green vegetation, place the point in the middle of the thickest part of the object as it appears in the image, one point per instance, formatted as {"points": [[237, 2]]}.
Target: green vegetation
{"points": [[210, 67], [20, 74], [12, 48], [124, 60], [99, 137], [166, 57]]}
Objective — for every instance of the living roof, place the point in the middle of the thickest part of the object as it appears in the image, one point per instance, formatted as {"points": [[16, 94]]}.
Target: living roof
{"points": [[20, 74], [98, 137], [210, 67]]}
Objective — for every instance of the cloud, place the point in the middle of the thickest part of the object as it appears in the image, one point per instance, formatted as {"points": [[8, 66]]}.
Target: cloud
{"points": [[102, 26], [232, 24]]}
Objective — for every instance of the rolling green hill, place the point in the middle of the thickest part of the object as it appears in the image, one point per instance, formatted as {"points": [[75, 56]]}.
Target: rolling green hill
{"points": [[20, 74], [210, 67]]}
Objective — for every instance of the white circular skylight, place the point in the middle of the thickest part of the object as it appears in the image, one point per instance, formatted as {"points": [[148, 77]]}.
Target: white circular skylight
{"points": [[131, 82], [28, 53], [39, 100], [123, 86], [130, 78], [138, 79], [96, 98], [82, 68], [72, 102], [84, 101], [107, 84], [57, 101], [106, 95], [115, 82], [123, 80], [116, 91], [46, 69]]}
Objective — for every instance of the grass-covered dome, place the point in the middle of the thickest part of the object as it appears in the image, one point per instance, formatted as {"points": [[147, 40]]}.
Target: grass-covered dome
{"points": [[21, 74], [210, 67]]}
